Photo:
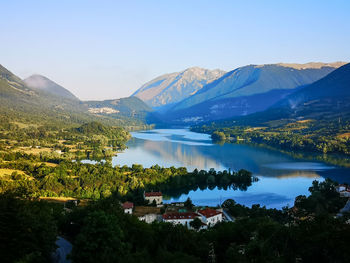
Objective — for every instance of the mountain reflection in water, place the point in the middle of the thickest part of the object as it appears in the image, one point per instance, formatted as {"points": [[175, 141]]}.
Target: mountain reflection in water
{"points": [[282, 177]]}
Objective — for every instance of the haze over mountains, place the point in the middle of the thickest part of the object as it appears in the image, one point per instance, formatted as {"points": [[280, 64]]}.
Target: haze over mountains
{"points": [[327, 99], [242, 91], [39, 99], [174, 87], [38, 82], [192, 96]]}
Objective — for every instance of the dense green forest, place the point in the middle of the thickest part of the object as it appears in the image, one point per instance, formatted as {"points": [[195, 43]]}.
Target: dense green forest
{"points": [[32, 175], [306, 135], [100, 231]]}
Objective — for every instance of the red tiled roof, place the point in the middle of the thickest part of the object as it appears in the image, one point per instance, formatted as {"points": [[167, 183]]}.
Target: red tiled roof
{"points": [[209, 212], [148, 194], [179, 216], [128, 205]]}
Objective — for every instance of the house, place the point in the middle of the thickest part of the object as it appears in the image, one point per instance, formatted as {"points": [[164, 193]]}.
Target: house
{"points": [[149, 218], [180, 218], [147, 214], [154, 196], [128, 207], [345, 193], [210, 216], [341, 187]]}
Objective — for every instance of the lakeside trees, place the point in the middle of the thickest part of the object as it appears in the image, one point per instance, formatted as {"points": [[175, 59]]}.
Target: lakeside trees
{"points": [[313, 136], [95, 181], [101, 230]]}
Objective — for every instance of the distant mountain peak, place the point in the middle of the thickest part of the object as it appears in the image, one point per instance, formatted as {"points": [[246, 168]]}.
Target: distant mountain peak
{"points": [[39, 82], [174, 87]]}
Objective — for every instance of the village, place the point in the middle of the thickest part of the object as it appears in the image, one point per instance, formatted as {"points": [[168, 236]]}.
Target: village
{"points": [[184, 213]]}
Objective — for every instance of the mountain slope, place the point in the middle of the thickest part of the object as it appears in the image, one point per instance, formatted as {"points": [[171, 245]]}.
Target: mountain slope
{"points": [[21, 104], [38, 82], [327, 99], [131, 107], [314, 118], [171, 88], [247, 90]]}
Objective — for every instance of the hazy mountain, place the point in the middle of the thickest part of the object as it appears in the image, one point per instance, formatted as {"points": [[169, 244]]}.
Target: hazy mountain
{"points": [[171, 88], [247, 90], [38, 82], [325, 99], [19, 103]]}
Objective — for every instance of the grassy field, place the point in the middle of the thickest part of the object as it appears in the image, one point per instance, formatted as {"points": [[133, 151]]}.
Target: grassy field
{"points": [[4, 172]]}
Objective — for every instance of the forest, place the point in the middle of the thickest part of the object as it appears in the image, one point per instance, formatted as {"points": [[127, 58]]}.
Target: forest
{"points": [[37, 177], [100, 231], [303, 135]]}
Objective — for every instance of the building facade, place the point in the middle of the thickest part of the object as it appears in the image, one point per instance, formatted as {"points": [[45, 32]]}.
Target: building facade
{"points": [[128, 207], [210, 216], [180, 218], [154, 196]]}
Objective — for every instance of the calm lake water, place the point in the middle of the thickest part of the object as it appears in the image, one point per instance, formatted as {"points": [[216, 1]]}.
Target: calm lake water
{"points": [[282, 177]]}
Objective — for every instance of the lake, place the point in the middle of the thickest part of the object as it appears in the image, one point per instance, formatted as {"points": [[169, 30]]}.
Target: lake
{"points": [[282, 176]]}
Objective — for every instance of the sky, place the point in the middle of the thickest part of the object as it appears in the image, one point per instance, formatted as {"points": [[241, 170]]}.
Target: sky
{"points": [[108, 49]]}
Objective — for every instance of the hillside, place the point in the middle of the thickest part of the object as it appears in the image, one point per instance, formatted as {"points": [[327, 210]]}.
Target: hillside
{"points": [[327, 98], [247, 90], [314, 118], [38, 82], [20, 104], [131, 107], [174, 87]]}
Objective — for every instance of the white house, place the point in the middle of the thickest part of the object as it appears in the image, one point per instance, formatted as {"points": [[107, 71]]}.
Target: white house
{"points": [[147, 214], [345, 193], [180, 218], [148, 218], [154, 196], [341, 188], [127, 207], [210, 216]]}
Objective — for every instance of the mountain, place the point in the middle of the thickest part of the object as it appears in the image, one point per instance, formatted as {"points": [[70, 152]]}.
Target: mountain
{"points": [[38, 82], [247, 90], [174, 87], [20, 104], [327, 99]]}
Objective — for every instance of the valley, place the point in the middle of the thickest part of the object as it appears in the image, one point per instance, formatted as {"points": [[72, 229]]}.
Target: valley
{"points": [[267, 145]]}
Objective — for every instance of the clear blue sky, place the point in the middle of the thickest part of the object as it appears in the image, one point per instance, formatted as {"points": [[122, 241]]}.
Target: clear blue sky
{"points": [[107, 49]]}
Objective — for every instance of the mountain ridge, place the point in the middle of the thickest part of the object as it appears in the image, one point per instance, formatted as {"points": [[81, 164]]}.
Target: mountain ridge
{"points": [[173, 87], [241, 91], [42, 83]]}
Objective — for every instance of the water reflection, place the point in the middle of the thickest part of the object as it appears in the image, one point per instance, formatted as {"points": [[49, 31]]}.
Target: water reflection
{"points": [[283, 176]]}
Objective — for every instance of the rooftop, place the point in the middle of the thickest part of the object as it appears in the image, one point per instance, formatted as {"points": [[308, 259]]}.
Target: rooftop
{"points": [[179, 216], [128, 205], [149, 194], [208, 212]]}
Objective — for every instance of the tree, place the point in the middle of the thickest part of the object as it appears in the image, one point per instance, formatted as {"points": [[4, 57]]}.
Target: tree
{"points": [[196, 223], [99, 240], [218, 136], [28, 229], [188, 204]]}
